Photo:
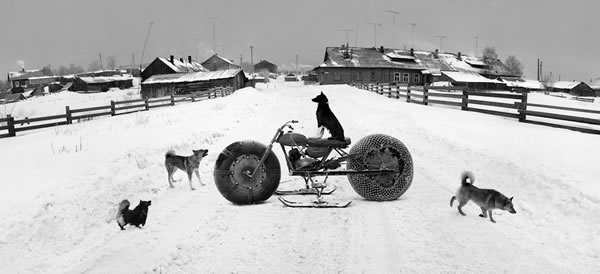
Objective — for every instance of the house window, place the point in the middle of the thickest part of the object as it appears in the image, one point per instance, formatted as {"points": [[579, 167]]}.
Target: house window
{"points": [[405, 77], [417, 78], [397, 77], [336, 76], [358, 76], [373, 76]]}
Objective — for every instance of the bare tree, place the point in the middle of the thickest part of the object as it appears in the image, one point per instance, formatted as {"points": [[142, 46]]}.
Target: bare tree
{"points": [[111, 62], [514, 66], [94, 66], [489, 55], [73, 69]]}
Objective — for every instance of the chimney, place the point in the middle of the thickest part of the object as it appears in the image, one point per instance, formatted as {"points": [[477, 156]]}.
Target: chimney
{"points": [[381, 49], [189, 59], [459, 56], [171, 59], [412, 52], [181, 59]]}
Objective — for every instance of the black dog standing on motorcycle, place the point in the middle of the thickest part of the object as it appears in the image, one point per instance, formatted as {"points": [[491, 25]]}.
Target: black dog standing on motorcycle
{"points": [[326, 119]]}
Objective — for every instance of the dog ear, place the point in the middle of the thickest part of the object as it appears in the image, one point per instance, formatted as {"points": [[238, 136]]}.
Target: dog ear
{"points": [[511, 199]]}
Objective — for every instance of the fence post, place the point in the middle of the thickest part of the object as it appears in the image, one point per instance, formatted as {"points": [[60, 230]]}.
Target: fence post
{"points": [[11, 126], [112, 108], [523, 107], [408, 94], [465, 100], [69, 117], [380, 88], [172, 100], [146, 104], [425, 95]]}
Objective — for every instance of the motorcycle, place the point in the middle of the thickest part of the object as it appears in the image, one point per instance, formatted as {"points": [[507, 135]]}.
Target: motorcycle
{"points": [[379, 168]]}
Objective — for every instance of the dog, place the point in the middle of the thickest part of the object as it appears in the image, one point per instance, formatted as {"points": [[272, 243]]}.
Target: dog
{"points": [[135, 217], [189, 164], [486, 199], [326, 119]]}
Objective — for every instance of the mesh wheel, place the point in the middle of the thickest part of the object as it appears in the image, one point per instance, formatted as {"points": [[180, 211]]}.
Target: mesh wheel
{"points": [[239, 160], [379, 151]]}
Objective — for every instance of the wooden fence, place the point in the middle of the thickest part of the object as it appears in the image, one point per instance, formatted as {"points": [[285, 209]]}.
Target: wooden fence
{"points": [[11, 126], [512, 105]]}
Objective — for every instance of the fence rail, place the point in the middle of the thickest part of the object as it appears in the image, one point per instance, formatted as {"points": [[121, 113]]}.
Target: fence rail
{"points": [[9, 126], [501, 104]]}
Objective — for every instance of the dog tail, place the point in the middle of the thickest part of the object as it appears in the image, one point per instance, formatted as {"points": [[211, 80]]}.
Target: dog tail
{"points": [[124, 205], [467, 175], [170, 153]]}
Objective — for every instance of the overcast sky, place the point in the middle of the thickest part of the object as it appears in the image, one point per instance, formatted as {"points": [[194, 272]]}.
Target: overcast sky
{"points": [[563, 34]]}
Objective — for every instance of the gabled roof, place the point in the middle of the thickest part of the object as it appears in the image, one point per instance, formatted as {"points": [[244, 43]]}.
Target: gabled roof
{"points": [[104, 79], [375, 58], [468, 77], [178, 66], [19, 75], [264, 63], [523, 83], [217, 56], [475, 64], [564, 84], [192, 77]]}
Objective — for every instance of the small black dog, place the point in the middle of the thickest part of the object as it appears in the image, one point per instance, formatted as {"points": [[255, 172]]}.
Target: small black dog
{"points": [[326, 118], [135, 217]]}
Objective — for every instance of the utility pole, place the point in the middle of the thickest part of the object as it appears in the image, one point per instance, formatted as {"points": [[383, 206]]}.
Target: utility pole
{"points": [[100, 54], [297, 64], [347, 31], [143, 50], [375, 31], [214, 37], [413, 25], [356, 41], [476, 40], [196, 49], [252, 57], [394, 27], [241, 59], [442, 37]]}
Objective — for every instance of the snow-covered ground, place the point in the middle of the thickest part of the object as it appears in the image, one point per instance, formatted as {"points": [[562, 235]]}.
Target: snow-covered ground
{"points": [[61, 186]]}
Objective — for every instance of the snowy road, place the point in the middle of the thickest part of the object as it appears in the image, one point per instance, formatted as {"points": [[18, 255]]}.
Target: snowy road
{"points": [[55, 219]]}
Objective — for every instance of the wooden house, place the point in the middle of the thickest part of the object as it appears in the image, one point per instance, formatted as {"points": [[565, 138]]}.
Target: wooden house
{"points": [[342, 65], [265, 66], [21, 78], [217, 62], [184, 83], [101, 83], [169, 66], [573, 88]]}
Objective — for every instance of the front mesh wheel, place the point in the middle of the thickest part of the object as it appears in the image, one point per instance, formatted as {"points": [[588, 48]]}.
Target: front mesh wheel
{"points": [[379, 151], [234, 168]]}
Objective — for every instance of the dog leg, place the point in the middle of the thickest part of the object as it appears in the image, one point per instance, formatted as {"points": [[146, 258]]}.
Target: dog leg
{"points": [[169, 177], [452, 200], [483, 213], [460, 206], [198, 175], [491, 219], [189, 172]]}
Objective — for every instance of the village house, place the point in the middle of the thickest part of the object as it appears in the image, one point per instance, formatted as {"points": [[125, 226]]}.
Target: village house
{"points": [[217, 62], [571, 87], [30, 78], [471, 80], [101, 83], [595, 85], [267, 66], [168, 66], [342, 65], [185, 83]]}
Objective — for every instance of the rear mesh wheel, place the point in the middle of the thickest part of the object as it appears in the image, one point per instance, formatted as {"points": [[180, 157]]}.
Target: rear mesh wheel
{"points": [[234, 168], [379, 151]]}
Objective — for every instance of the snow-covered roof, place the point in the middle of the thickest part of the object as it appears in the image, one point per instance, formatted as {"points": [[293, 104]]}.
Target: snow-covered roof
{"points": [[105, 79], [564, 84], [595, 84], [374, 58], [26, 74], [524, 83], [475, 64], [192, 77], [468, 77], [178, 66]]}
